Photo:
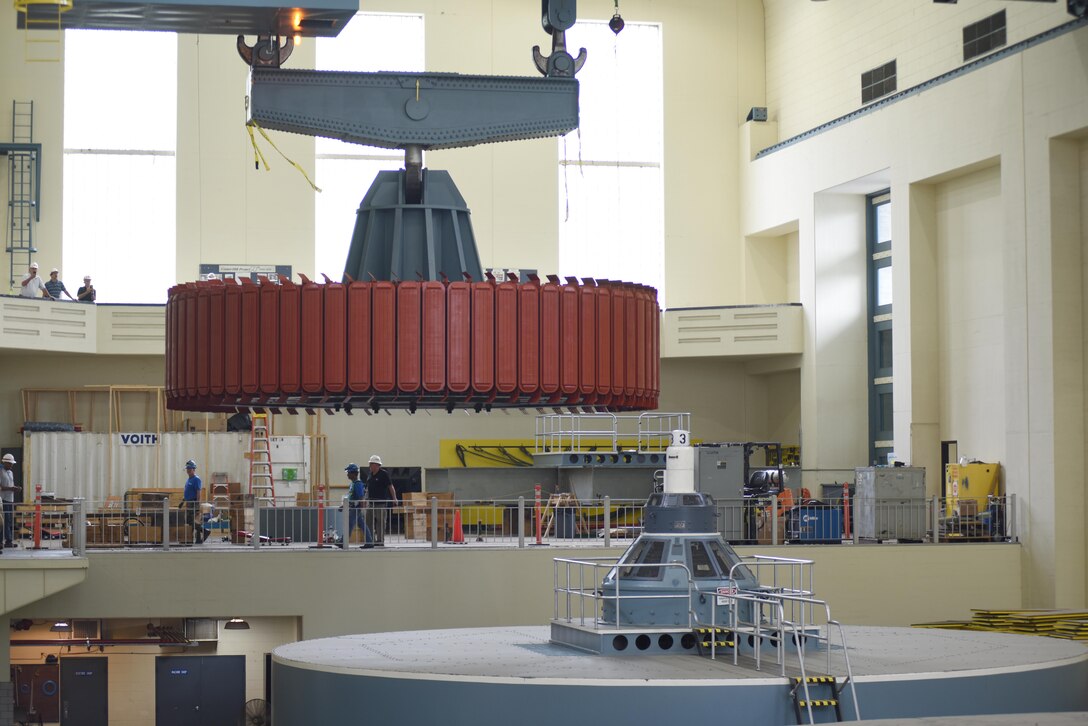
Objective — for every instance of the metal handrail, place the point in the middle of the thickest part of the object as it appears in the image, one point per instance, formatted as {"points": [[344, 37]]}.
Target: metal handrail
{"points": [[780, 598], [757, 630], [595, 595], [569, 432]]}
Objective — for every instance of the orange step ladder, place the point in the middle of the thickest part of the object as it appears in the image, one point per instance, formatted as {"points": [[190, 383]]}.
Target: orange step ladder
{"points": [[261, 483]]}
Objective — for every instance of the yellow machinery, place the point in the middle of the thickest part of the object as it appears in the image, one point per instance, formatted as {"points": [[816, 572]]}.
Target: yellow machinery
{"points": [[967, 487]]}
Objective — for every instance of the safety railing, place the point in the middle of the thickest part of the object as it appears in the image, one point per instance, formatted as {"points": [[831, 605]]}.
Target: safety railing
{"points": [[782, 612], [767, 621], [585, 594], [426, 521], [606, 432]]}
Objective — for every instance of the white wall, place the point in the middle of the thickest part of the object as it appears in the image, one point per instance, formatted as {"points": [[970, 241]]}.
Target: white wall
{"points": [[977, 166], [816, 52], [971, 314]]}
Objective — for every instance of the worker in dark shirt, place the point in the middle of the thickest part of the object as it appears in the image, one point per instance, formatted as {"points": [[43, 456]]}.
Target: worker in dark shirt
{"points": [[356, 504], [381, 496], [190, 503], [86, 293]]}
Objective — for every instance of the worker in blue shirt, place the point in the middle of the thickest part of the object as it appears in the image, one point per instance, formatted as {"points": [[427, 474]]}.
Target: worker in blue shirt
{"points": [[356, 505], [191, 502]]}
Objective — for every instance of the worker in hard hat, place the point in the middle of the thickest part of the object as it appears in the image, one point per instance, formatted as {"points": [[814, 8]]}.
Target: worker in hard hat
{"points": [[190, 502], [33, 284], [381, 496], [357, 504], [7, 494]]}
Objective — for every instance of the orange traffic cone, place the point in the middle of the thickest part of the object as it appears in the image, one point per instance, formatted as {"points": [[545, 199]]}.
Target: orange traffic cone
{"points": [[458, 535]]}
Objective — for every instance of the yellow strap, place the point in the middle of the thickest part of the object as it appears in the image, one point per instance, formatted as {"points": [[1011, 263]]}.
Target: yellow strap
{"points": [[258, 157], [257, 153]]}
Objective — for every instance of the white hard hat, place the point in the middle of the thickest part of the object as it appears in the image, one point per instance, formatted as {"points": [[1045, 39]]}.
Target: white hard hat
{"points": [[9, 459], [54, 270], [86, 278], [33, 265], [375, 459]]}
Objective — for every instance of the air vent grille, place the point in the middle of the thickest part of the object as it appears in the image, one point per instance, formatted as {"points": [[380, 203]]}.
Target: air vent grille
{"points": [[985, 35], [84, 629], [201, 629], [878, 82]]}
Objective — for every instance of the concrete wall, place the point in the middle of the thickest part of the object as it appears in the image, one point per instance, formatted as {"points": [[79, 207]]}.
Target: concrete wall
{"points": [[336, 592], [286, 596], [984, 172]]}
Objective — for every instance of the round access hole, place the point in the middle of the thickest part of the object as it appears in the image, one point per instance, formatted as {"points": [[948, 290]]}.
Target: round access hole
{"points": [[620, 642], [665, 642], [642, 642]]}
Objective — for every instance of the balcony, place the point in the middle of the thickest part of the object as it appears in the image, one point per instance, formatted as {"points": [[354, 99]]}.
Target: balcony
{"points": [[69, 327], [735, 330]]}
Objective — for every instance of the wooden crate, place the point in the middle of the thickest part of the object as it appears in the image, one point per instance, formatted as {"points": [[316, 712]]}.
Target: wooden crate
{"points": [[417, 514]]}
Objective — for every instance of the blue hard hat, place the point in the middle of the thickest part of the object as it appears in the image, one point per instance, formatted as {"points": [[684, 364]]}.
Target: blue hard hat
{"points": [[190, 464], [351, 467]]}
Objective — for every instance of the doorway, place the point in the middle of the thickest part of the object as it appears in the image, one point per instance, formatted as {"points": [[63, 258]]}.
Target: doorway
{"points": [[84, 691], [199, 690]]}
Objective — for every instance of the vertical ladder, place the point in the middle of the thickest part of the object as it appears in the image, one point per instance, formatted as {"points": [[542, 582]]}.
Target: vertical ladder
{"points": [[21, 203], [260, 460]]}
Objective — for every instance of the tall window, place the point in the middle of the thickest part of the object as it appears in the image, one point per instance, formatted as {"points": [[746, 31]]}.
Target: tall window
{"points": [[120, 144], [370, 42], [881, 424], [611, 198]]}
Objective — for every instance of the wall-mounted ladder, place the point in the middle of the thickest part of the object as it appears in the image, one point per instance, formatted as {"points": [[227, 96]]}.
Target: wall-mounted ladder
{"points": [[261, 483], [22, 197]]}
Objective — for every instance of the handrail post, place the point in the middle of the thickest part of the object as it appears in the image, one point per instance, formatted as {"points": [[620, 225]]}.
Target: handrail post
{"points": [[774, 519], [607, 521], [434, 523], [856, 519], [345, 515], [1010, 518], [521, 521], [79, 528], [166, 523], [255, 535], [935, 514]]}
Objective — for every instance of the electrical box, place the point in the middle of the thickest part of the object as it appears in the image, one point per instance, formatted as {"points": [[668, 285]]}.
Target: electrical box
{"points": [[719, 472], [891, 503]]}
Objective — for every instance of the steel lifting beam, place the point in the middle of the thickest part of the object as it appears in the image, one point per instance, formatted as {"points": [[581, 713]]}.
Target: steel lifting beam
{"points": [[400, 110]]}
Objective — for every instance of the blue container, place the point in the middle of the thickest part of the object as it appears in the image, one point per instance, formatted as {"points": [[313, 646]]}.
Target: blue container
{"points": [[815, 524]]}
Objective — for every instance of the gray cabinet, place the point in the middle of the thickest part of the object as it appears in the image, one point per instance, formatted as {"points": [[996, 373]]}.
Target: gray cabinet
{"points": [[891, 503]]}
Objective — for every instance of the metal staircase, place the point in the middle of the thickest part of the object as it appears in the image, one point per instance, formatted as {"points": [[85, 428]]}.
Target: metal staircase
{"points": [[22, 197]]}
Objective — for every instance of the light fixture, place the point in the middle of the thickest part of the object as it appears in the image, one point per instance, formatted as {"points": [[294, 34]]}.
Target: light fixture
{"points": [[61, 626], [616, 23], [236, 624]]}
